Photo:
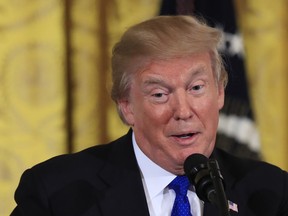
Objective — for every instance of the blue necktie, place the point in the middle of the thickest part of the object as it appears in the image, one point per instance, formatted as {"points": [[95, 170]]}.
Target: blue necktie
{"points": [[181, 205]]}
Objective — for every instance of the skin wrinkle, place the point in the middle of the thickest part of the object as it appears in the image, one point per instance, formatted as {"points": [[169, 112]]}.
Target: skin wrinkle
{"points": [[174, 97]]}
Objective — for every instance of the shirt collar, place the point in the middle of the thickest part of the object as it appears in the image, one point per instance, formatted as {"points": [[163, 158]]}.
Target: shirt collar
{"points": [[155, 177]]}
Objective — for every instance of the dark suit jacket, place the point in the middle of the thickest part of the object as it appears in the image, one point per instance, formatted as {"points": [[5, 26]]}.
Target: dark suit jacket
{"points": [[105, 180]]}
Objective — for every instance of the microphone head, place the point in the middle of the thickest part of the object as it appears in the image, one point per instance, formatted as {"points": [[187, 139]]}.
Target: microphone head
{"points": [[194, 163], [194, 160], [196, 169]]}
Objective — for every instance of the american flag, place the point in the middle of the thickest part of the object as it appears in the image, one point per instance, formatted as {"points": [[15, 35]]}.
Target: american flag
{"points": [[233, 206]]}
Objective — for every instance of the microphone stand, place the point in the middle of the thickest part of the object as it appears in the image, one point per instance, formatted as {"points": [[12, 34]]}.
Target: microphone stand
{"points": [[218, 197]]}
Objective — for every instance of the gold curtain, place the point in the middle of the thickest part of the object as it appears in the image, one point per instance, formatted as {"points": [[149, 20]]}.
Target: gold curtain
{"points": [[264, 25], [54, 79], [94, 32], [32, 92]]}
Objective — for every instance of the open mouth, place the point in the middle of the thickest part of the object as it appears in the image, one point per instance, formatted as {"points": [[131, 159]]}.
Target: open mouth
{"points": [[185, 136]]}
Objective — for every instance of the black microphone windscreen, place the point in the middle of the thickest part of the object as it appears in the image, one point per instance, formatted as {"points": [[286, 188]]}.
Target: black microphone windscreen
{"points": [[193, 161], [196, 169]]}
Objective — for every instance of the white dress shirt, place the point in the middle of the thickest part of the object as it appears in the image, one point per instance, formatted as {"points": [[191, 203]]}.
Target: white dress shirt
{"points": [[155, 180]]}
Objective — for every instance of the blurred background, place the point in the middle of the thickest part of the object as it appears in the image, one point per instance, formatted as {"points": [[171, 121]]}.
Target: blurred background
{"points": [[55, 77]]}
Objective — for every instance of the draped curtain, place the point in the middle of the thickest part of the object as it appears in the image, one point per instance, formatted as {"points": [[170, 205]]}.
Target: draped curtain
{"points": [[55, 80], [264, 25], [32, 89]]}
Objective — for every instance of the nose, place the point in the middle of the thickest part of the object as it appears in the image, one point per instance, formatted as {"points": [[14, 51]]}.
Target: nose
{"points": [[183, 107]]}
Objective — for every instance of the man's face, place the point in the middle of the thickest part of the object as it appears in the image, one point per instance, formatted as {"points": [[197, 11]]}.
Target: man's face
{"points": [[173, 108]]}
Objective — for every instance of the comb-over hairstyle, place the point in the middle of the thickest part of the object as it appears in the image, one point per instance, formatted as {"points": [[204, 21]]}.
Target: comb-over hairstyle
{"points": [[161, 38]]}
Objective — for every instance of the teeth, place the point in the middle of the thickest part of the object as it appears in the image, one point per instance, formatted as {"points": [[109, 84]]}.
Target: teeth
{"points": [[185, 135]]}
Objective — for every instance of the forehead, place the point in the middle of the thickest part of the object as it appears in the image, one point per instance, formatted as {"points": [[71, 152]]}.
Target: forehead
{"points": [[193, 65]]}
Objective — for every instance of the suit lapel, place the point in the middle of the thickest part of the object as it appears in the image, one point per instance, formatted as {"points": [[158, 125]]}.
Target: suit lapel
{"points": [[124, 194]]}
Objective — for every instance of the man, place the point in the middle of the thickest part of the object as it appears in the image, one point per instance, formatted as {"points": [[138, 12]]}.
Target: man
{"points": [[168, 84]]}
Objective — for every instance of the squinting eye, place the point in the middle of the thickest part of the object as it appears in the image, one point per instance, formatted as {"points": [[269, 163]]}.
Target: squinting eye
{"points": [[158, 95], [197, 87]]}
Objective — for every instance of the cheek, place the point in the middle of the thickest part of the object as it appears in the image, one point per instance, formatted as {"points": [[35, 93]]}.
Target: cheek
{"points": [[209, 110], [153, 115], [146, 113]]}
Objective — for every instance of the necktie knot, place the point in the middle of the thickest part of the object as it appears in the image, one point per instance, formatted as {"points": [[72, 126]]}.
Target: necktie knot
{"points": [[180, 185], [181, 205]]}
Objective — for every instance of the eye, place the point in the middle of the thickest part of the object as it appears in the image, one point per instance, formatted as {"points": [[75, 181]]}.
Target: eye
{"points": [[159, 97], [197, 87]]}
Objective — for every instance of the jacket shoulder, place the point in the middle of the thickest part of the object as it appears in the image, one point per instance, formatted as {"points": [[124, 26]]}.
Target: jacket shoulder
{"points": [[96, 154], [241, 167], [259, 186]]}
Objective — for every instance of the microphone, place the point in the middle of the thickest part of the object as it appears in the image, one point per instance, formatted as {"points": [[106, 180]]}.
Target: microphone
{"points": [[205, 175], [196, 168]]}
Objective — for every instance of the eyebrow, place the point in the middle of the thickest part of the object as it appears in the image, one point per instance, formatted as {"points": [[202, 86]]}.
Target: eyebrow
{"points": [[159, 81], [154, 81], [198, 72]]}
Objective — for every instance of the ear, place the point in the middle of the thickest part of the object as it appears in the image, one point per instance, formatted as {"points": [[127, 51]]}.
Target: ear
{"points": [[221, 95], [126, 110]]}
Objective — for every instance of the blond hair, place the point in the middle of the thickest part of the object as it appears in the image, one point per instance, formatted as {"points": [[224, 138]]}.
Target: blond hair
{"points": [[162, 37]]}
